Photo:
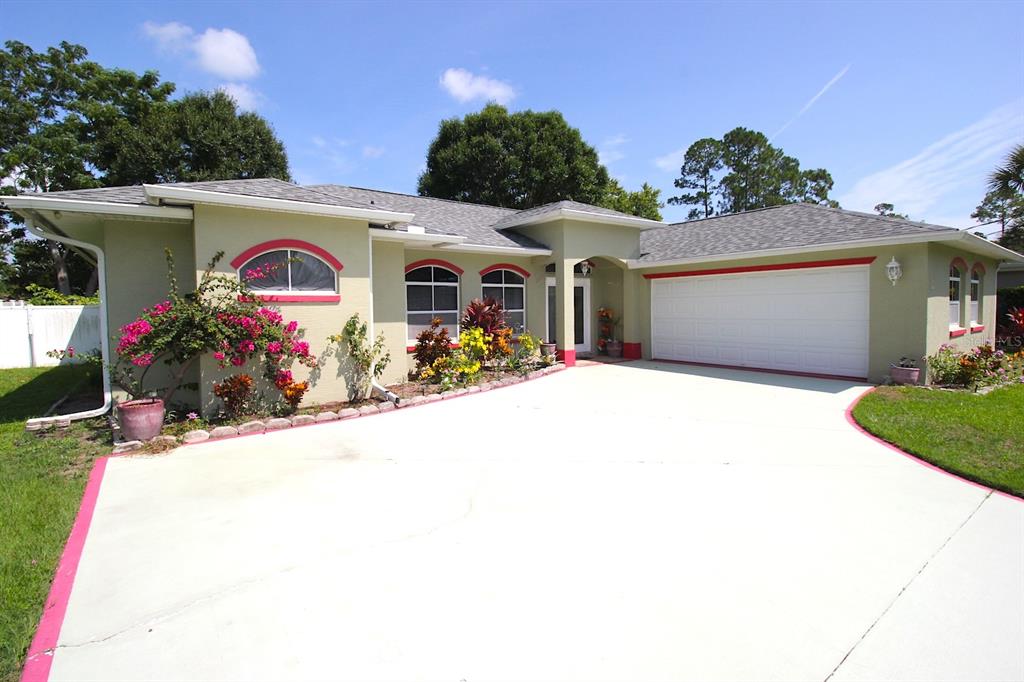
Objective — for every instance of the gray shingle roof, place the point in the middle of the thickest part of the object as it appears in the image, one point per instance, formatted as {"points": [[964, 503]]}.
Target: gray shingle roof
{"points": [[475, 222], [269, 188], [777, 227], [516, 217]]}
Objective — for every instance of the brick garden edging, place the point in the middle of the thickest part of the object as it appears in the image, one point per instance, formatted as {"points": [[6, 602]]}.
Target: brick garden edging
{"points": [[280, 423]]}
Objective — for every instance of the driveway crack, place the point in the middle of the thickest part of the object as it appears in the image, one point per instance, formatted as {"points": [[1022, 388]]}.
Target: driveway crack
{"points": [[909, 583]]}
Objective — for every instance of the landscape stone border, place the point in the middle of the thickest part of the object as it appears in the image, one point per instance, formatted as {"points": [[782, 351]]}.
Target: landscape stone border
{"points": [[279, 423]]}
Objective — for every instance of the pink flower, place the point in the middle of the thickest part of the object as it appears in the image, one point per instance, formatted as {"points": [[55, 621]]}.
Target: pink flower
{"points": [[219, 355], [300, 348], [246, 346], [292, 326], [143, 360], [271, 316], [274, 347], [237, 360]]}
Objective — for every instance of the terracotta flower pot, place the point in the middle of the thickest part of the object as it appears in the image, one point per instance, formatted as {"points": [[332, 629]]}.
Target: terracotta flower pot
{"points": [[905, 376], [547, 349], [141, 419], [614, 349]]}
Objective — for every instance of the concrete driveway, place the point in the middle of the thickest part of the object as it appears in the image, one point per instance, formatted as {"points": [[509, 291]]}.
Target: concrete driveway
{"points": [[640, 521]]}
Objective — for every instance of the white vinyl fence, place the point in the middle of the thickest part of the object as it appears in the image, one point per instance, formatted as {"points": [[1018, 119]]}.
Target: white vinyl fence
{"points": [[27, 332]]}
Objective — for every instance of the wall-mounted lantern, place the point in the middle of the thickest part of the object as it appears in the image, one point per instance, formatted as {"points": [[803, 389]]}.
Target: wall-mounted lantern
{"points": [[893, 270]]}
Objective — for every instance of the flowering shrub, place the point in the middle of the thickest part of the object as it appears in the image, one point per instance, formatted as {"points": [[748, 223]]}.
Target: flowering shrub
{"points": [[487, 314], [431, 344], [1011, 333], [235, 391], [461, 366], [981, 366], [222, 317], [368, 361]]}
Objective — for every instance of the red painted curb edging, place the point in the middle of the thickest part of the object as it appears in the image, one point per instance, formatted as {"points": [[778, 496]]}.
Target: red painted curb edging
{"points": [[40, 652], [853, 422]]}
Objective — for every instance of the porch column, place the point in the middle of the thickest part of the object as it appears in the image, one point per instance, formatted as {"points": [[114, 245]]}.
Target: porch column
{"points": [[565, 316], [631, 347]]}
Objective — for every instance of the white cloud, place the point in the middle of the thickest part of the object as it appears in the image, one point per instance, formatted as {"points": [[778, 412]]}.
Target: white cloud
{"points": [[671, 162], [245, 97], [811, 101], [948, 176], [371, 152], [465, 87], [170, 37], [610, 150], [222, 52], [226, 53]]}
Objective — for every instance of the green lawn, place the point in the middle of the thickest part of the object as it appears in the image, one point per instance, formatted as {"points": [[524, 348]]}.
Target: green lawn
{"points": [[978, 437], [41, 482]]}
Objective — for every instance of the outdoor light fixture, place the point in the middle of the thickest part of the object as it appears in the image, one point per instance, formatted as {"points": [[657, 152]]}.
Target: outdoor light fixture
{"points": [[585, 267], [894, 270]]}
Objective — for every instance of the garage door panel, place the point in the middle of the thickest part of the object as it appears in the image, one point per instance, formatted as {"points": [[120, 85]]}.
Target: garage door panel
{"points": [[792, 320]]}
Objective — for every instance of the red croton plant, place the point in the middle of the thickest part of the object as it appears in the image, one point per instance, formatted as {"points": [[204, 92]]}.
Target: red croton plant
{"points": [[222, 318]]}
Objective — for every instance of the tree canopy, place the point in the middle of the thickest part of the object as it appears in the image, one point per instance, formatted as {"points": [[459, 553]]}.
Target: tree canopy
{"points": [[1004, 208], [69, 123], [744, 171], [515, 160], [644, 202]]}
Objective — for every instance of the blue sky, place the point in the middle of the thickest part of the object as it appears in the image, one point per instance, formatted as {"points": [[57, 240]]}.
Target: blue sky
{"points": [[908, 103]]}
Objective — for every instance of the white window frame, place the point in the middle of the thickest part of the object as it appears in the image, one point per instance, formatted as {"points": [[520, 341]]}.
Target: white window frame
{"points": [[974, 294], [955, 307], [503, 286], [454, 333], [289, 291]]}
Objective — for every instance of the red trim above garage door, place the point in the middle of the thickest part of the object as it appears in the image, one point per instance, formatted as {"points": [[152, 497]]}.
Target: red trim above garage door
{"points": [[764, 268]]}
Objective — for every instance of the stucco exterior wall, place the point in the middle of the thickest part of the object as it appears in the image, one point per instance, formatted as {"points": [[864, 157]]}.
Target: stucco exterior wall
{"points": [[939, 260], [898, 316], [234, 230], [137, 278]]}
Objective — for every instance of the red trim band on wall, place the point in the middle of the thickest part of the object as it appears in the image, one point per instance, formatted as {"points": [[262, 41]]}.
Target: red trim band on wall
{"points": [[276, 244], [290, 298], [764, 268], [959, 263], [412, 349], [631, 351], [953, 333], [567, 356], [977, 328], [505, 266], [434, 261]]}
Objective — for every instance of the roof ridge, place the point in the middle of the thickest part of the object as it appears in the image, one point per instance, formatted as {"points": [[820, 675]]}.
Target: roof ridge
{"points": [[806, 204], [415, 196]]}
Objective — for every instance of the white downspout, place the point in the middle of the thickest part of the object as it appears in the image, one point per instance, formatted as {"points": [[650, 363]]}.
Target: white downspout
{"points": [[373, 380], [108, 399]]}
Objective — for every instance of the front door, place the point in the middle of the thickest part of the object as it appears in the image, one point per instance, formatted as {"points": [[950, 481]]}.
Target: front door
{"points": [[581, 310]]}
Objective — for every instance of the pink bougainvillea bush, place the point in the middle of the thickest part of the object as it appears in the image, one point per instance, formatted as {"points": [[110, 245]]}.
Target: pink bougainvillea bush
{"points": [[222, 318]]}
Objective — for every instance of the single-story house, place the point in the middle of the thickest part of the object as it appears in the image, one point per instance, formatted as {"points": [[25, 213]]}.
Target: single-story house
{"points": [[795, 288]]}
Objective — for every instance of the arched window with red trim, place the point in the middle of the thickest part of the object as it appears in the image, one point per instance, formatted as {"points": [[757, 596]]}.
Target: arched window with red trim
{"points": [[977, 273], [508, 287], [431, 291], [956, 270], [289, 269]]}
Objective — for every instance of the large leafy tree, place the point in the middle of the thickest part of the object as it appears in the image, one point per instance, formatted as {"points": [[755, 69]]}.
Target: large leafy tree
{"points": [[645, 202], [753, 174], [70, 123], [516, 160]]}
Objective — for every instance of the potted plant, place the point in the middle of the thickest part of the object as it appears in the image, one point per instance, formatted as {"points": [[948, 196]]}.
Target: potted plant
{"points": [[607, 323], [547, 348], [905, 372]]}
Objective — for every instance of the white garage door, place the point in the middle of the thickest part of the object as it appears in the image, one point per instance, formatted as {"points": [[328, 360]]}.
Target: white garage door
{"points": [[812, 321]]}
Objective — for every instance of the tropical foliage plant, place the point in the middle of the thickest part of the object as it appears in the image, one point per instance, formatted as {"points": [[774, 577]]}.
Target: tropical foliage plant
{"points": [[432, 343], [368, 361]]}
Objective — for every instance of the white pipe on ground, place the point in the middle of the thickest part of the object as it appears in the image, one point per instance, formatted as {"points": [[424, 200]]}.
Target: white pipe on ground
{"points": [[33, 224]]}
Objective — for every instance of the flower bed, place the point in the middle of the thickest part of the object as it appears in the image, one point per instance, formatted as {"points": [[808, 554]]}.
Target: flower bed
{"points": [[974, 369]]}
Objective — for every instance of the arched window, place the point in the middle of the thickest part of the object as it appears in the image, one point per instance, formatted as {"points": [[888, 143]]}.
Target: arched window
{"points": [[976, 275], [289, 269], [431, 291], [507, 287], [954, 296]]}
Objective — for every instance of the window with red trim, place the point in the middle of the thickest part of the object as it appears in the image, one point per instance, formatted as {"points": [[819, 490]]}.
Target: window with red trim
{"points": [[508, 288], [289, 272], [954, 296], [431, 291], [975, 297]]}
